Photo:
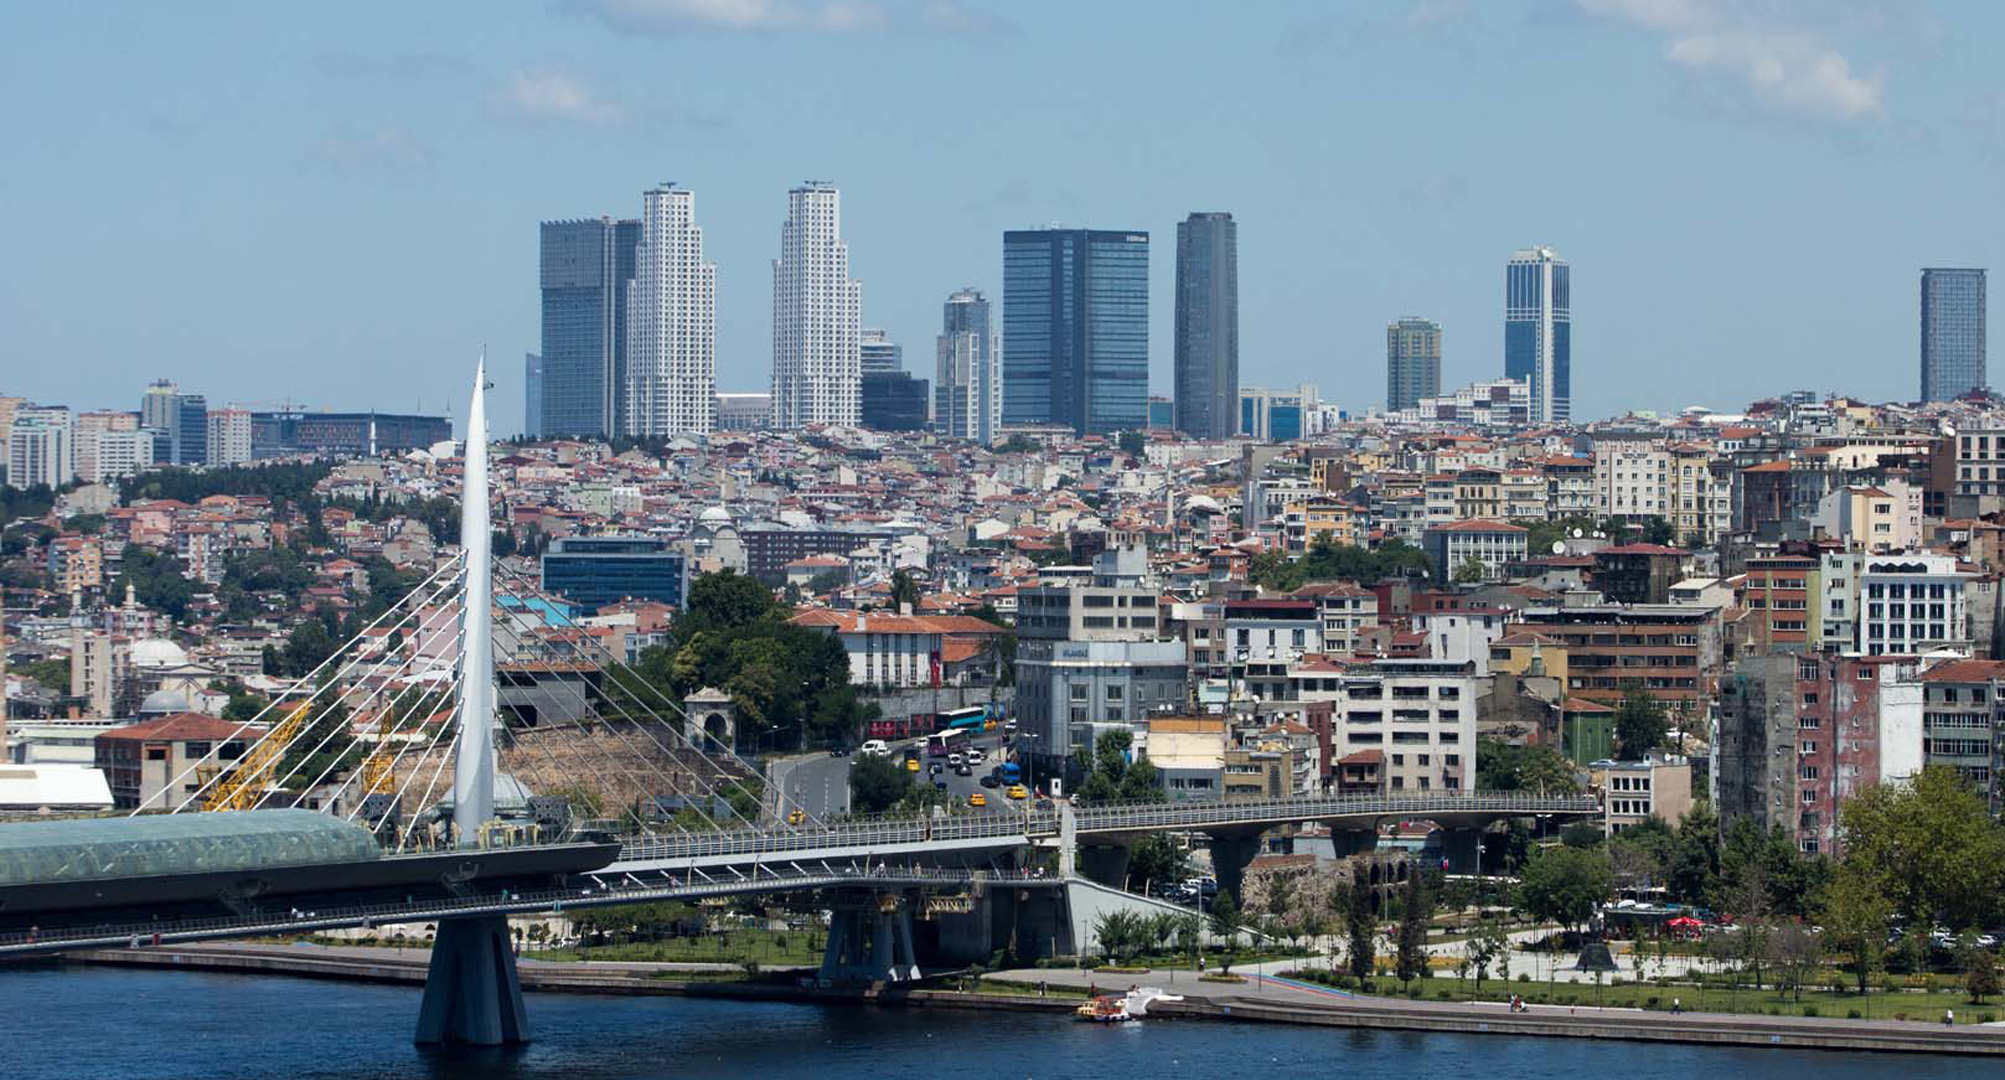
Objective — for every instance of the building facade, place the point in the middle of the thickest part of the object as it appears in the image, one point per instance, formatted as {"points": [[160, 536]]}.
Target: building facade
{"points": [[593, 571], [877, 354], [1952, 333], [671, 322], [1538, 331], [1207, 325], [967, 387], [1412, 362], [41, 447], [817, 371], [584, 267], [188, 436], [229, 436], [893, 401], [1076, 329]]}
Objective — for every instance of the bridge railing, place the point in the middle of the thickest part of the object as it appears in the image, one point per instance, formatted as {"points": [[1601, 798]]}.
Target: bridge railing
{"points": [[855, 834], [1121, 817]]}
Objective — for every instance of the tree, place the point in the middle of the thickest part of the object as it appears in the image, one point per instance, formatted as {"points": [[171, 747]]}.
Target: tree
{"points": [[1416, 907], [725, 600], [1856, 914], [1795, 953], [1581, 834], [1360, 931], [1132, 443], [1930, 846], [1565, 885], [1157, 858], [1471, 572], [904, 591], [307, 647], [1746, 899], [1640, 724], [1489, 945], [1501, 766], [877, 782], [1114, 778], [1980, 975], [1225, 918]]}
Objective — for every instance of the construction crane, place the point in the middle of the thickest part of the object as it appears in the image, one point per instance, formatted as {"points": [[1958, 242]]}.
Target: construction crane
{"points": [[246, 783]]}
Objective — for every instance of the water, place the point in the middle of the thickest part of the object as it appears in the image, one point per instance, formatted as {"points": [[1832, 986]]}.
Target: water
{"points": [[111, 1024]]}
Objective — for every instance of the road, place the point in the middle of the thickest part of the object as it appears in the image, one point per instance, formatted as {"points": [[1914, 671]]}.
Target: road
{"points": [[819, 784]]}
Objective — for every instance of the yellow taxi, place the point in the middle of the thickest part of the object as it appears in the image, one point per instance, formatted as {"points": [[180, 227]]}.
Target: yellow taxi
{"points": [[1016, 791], [911, 764], [797, 817], [978, 799]]}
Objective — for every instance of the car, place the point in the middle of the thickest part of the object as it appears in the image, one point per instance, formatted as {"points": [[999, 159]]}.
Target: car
{"points": [[955, 759], [874, 746], [1009, 726], [934, 769], [797, 817], [911, 764], [975, 756], [991, 780], [1017, 791], [939, 785], [964, 770], [978, 799]]}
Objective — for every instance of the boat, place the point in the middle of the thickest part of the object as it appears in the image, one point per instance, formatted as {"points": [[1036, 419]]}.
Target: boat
{"points": [[1120, 1008]]}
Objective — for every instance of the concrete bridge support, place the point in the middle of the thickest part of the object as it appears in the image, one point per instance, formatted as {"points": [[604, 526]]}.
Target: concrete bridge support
{"points": [[472, 995], [1230, 855], [870, 940], [1461, 848], [1105, 863]]}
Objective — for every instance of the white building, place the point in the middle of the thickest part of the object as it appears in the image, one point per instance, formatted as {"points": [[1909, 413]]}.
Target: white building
{"points": [[817, 372], [41, 447], [229, 436], [1418, 715], [967, 386], [671, 316], [1912, 603], [1492, 544], [1632, 475]]}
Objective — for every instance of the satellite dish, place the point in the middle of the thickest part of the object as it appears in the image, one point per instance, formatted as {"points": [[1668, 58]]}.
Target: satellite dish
{"points": [[1559, 547], [1576, 532]]}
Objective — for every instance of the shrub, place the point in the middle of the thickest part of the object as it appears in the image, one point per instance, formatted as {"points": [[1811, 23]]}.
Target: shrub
{"points": [[1650, 1002], [1811, 1010], [1854, 1014], [1444, 994], [1524, 976], [1987, 1018]]}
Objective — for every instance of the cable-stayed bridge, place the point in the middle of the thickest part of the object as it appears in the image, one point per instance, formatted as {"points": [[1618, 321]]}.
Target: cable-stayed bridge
{"points": [[392, 785]]}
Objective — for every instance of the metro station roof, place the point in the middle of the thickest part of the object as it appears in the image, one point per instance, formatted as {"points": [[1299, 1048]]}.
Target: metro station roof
{"points": [[94, 849]]}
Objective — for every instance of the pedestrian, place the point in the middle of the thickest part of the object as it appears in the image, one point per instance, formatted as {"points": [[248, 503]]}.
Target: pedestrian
{"points": [[1949, 1016], [1677, 1006]]}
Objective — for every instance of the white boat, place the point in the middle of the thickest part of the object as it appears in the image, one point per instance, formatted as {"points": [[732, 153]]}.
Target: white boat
{"points": [[1120, 1008]]}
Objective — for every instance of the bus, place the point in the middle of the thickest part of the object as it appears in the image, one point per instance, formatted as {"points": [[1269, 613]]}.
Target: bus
{"points": [[972, 718], [942, 743]]}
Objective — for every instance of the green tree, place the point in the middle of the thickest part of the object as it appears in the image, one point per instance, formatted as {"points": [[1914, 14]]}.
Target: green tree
{"points": [[1416, 907], [243, 706], [1930, 846], [726, 600], [877, 782], [1224, 917], [1471, 572], [1491, 944], [307, 647], [1856, 915], [1565, 884], [1980, 975], [1157, 858], [1114, 778], [1640, 723], [904, 591], [1501, 766], [1360, 931]]}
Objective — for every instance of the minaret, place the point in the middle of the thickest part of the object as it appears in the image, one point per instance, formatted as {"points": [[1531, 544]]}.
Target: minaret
{"points": [[473, 768]]}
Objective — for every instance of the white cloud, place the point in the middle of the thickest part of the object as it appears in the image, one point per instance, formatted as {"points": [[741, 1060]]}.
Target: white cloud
{"points": [[552, 95], [668, 16], [1788, 64]]}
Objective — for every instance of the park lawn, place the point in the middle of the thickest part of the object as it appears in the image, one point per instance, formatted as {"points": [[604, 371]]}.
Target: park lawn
{"points": [[739, 946], [1880, 1005]]}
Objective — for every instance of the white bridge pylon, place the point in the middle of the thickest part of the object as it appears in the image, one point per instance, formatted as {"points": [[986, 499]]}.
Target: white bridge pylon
{"points": [[474, 764]]}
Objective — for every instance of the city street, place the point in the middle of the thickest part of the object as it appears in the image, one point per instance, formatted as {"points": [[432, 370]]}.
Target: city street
{"points": [[819, 784]]}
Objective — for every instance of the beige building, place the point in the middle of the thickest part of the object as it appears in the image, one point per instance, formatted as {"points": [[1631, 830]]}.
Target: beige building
{"points": [[1633, 792]]}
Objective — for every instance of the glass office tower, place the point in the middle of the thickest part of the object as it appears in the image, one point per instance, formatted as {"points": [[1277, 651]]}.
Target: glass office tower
{"points": [[1952, 333], [1538, 331], [1076, 329], [1207, 325], [585, 266]]}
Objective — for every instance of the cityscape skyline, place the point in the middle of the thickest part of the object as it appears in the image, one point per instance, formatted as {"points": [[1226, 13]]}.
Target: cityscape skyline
{"points": [[390, 143]]}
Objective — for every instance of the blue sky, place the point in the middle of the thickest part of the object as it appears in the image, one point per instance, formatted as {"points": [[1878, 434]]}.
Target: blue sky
{"points": [[336, 203]]}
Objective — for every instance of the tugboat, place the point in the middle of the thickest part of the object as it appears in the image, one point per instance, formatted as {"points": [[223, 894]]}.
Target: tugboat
{"points": [[1120, 1008]]}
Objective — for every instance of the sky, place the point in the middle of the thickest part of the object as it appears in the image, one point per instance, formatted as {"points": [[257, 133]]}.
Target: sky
{"points": [[337, 204]]}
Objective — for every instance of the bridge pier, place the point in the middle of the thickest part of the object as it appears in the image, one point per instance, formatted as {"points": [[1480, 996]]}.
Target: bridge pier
{"points": [[1230, 855], [1461, 848], [869, 940], [1105, 863], [472, 994]]}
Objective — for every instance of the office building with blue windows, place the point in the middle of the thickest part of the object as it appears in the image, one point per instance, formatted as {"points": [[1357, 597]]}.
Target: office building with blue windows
{"points": [[1207, 325], [1952, 333], [585, 266], [1277, 415], [593, 571], [1538, 331], [1076, 329]]}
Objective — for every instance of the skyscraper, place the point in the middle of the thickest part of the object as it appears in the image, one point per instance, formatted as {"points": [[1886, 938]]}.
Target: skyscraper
{"points": [[1207, 326], [1076, 329], [877, 354], [671, 322], [816, 369], [1412, 362], [229, 436], [188, 435], [156, 406], [1538, 331], [1952, 333], [967, 389], [585, 267]]}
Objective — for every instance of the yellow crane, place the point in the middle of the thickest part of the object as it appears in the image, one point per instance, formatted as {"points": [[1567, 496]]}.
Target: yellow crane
{"points": [[243, 785]]}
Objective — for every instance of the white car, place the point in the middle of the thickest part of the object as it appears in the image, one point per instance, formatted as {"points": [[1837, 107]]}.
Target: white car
{"points": [[953, 759], [975, 756], [874, 746]]}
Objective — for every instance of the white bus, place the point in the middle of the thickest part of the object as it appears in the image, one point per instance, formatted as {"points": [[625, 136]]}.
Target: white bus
{"points": [[942, 743]]}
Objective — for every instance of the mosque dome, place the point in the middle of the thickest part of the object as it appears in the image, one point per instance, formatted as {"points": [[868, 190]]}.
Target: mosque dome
{"points": [[163, 703]]}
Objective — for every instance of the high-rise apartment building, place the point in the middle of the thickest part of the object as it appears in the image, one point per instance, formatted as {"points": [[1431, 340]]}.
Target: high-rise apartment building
{"points": [[1538, 331], [671, 322], [1952, 333], [229, 436], [584, 267], [967, 389], [1207, 326], [1076, 329], [41, 447], [156, 405], [1412, 362], [817, 376], [188, 433], [877, 354]]}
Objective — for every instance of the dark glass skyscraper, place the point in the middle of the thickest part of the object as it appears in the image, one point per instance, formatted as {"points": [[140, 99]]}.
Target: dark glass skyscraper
{"points": [[586, 267], [1952, 333], [1076, 329], [1412, 362], [189, 437], [1538, 331], [1207, 326]]}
